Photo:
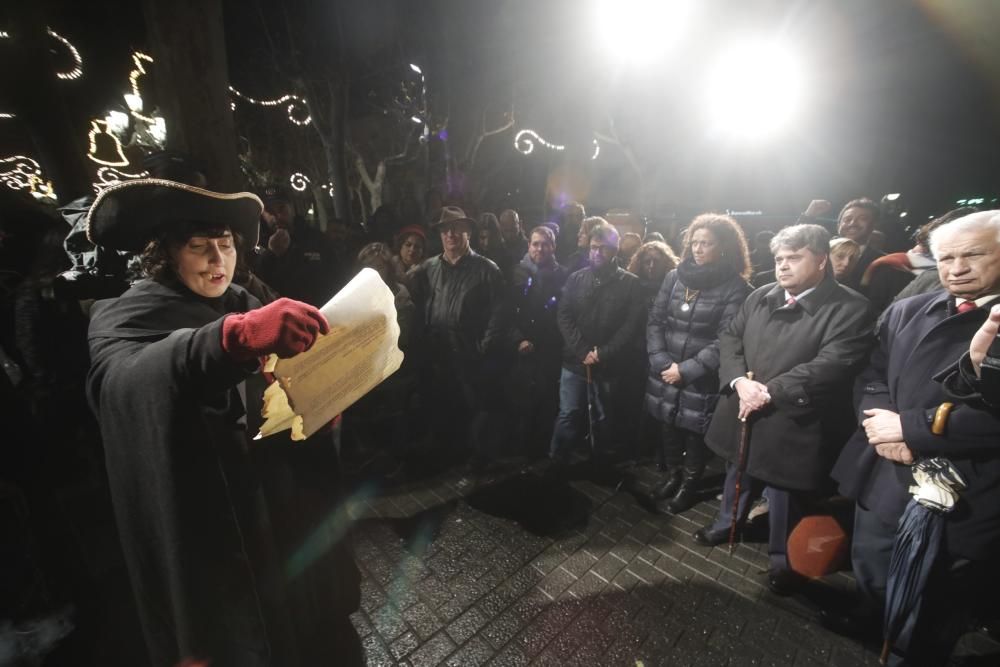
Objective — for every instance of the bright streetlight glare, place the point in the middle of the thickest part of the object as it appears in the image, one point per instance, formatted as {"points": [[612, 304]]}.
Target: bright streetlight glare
{"points": [[640, 31], [754, 91]]}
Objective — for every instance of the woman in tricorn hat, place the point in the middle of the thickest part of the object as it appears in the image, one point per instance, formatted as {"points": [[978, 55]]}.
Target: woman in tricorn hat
{"points": [[172, 367]]}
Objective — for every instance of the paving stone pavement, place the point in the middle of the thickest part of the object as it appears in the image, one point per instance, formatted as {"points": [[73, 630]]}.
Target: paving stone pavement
{"points": [[517, 568]]}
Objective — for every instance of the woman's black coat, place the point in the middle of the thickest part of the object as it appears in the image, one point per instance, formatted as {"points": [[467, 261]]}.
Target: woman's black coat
{"points": [[689, 338]]}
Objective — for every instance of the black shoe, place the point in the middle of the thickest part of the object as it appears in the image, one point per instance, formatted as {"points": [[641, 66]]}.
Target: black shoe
{"points": [[784, 582], [669, 487], [686, 498], [852, 625], [707, 537]]}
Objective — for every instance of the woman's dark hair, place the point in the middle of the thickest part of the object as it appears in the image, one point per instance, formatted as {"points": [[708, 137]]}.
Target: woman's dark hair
{"points": [[402, 238], [652, 248], [155, 257], [491, 224], [732, 242]]}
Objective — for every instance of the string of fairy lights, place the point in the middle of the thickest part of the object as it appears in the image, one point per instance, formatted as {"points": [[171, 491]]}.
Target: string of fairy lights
{"points": [[116, 123], [19, 172], [525, 141], [296, 105], [300, 183]]}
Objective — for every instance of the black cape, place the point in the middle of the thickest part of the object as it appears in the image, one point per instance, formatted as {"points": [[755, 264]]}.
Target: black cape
{"points": [[192, 495]]}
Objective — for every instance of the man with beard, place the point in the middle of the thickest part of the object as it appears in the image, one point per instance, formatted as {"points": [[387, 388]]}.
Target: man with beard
{"points": [[295, 259], [600, 317]]}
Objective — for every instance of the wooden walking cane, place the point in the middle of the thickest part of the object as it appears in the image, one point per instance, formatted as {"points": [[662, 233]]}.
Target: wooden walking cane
{"points": [[590, 413], [741, 461]]}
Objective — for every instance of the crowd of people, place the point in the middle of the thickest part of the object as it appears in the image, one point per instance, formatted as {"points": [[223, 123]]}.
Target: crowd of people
{"points": [[809, 374], [812, 364]]}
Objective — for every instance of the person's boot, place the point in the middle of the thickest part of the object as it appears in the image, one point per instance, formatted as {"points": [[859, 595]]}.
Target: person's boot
{"points": [[687, 493], [672, 456], [668, 487]]}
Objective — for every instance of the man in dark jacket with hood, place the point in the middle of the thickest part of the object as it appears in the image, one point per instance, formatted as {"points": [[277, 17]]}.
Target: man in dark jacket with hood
{"points": [[459, 295], [600, 318], [803, 338]]}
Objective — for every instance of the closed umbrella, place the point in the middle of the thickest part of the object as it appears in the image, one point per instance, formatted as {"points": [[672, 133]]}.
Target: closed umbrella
{"points": [[918, 540]]}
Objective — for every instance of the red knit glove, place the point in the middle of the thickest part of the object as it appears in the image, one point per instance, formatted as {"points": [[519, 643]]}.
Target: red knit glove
{"points": [[284, 327]]}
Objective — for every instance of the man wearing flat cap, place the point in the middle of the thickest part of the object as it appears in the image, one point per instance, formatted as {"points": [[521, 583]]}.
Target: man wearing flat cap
{"points": [[459, 294]]}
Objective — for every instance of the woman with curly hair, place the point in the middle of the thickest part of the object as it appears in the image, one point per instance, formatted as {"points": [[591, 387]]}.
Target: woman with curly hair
{"points": [[696, 301]]}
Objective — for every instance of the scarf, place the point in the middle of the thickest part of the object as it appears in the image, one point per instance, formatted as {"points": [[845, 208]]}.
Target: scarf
{"points": [[704, 276]]}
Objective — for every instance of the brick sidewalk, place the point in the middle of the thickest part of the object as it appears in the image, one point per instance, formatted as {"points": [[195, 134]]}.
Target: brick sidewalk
{"points": [[518, 570]]}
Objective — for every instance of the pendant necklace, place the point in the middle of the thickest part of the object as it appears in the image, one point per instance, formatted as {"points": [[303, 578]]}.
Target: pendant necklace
{"points": [[689, 296]]}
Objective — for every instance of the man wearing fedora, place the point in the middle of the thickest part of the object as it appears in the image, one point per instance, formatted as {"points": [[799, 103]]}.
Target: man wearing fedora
{"points": [[459, 295]]}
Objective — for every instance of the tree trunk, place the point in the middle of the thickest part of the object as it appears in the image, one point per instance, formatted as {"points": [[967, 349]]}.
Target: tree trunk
{"points": [[192, 85]]}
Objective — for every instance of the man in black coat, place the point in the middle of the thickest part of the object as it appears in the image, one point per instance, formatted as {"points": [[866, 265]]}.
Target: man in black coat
{"points": [[600, 318], [804, 338], [295, 259], [537, 286], [459, 296], [919, 341]]}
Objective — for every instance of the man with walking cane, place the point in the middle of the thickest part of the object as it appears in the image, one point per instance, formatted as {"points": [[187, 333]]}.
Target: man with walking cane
{"points": [[600, 317], [803, 338]]}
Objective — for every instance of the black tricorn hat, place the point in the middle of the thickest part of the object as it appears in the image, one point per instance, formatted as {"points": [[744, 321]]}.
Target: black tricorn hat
{"points": [[127, 215]]}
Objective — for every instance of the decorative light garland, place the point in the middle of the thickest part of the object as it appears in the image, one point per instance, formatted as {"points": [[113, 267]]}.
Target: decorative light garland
{"points": [[20, 172], [525, 140], [95, 129], [293, 100], [299, 181], [135, 100], [107, 176], [529, 142], [77, 70], [17, 171]]}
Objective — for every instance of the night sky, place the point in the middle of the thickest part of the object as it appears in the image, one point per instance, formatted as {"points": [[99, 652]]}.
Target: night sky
{"points": [[899, 96]]}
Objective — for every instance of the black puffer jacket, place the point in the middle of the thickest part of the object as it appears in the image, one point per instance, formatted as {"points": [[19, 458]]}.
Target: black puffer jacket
{"points": [[602, 309], [461, 306], [690, 338]]}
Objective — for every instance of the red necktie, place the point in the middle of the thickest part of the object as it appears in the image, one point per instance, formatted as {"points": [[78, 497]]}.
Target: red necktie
{"points": [[791, 301], [966, 306]]}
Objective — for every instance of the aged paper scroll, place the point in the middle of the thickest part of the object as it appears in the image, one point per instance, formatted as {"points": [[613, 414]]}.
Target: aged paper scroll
{"points": [[361, 350]]}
